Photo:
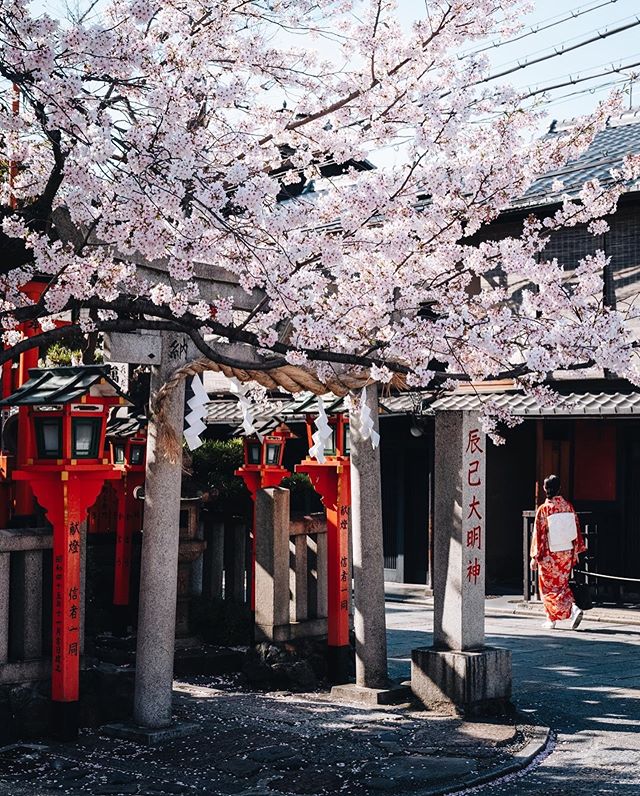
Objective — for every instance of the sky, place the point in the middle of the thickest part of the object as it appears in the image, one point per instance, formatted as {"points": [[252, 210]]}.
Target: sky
{"points": [[617, 50]]}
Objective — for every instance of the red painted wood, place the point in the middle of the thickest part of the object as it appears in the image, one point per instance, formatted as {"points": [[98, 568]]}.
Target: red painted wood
{"points": [[331, 480], [66, 501]]}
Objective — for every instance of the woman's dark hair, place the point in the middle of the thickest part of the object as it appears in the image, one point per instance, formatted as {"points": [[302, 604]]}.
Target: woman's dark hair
{"points": [[552, 485]]}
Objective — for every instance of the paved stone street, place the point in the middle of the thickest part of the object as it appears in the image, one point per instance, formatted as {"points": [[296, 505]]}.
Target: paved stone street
{"points": [[584, 684], [267, 745]]}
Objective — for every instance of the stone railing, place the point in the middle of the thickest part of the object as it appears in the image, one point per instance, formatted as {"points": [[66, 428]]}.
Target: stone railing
{"points": [[291, 570], [226, 562], [24, 609]]}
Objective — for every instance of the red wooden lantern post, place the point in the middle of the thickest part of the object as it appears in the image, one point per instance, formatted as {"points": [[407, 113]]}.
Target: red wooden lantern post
{"points": [[262, 469], [129, 453], [331, 480], [67, 411]]}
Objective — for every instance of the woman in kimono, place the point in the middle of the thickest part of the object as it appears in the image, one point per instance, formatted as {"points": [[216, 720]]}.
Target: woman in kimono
{"points": [[557, 541]]}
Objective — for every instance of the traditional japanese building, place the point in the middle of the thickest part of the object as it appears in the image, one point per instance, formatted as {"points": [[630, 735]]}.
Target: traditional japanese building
{"points": [[591, 438]]}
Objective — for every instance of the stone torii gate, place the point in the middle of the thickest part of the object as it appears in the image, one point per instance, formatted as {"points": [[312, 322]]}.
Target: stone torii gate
{"points": [[169, 355]]}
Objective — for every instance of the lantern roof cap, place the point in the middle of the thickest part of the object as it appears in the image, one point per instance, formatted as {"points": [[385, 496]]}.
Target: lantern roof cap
{"points": [[282, 430], [63, 385], [125, 421]]}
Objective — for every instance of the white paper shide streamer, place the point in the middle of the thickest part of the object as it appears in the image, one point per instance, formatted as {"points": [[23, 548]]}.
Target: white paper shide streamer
{"points": [[194, 419], [322, 435], [367, 431], [245, 407]]}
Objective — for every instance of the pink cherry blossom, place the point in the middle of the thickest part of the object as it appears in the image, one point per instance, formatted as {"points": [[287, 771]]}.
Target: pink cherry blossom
{"points": [[165, 152]]}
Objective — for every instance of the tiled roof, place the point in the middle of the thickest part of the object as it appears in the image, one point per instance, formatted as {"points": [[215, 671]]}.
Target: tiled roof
{"points": [[621, 137], [573, 405], [596, 404], [63, 385], [226, 411]]}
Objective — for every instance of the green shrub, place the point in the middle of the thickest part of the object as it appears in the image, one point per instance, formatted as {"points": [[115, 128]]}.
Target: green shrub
{"points": [[304, 498], [60, 355], [213, 465]]}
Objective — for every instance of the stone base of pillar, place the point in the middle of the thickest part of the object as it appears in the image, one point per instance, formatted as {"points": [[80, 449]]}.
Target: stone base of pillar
{"points": [[309, 628], [395, 694], [148, 736], [65, 717], [473, 683], [340, 664]]}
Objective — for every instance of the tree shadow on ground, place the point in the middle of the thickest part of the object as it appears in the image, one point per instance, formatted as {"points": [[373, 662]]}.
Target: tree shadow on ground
{"points": [[585, 685]]}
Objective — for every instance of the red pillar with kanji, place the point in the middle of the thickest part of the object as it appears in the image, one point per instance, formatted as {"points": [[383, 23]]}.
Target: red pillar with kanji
{"points": [[66, 497], [331, 480]]}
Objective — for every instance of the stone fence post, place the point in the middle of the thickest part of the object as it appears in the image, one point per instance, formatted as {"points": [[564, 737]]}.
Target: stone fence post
{"points": [[272, 562]]}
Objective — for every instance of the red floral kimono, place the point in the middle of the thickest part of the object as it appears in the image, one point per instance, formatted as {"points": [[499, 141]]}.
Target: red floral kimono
{"points": [[554, 568]]}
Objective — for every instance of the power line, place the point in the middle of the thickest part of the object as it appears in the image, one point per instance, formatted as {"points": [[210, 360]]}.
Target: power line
{"points": [[574, 81], [560, 19], [562, 46], [598, 37], [556, 100]]}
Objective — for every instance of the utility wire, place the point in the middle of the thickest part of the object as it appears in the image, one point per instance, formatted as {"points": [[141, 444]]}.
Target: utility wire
{"points": [[560, 19], [598, 37], [575, 80], [563, 44]]}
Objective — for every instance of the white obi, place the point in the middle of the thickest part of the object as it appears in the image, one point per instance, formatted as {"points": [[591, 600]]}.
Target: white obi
{"points": [[563, 530]]}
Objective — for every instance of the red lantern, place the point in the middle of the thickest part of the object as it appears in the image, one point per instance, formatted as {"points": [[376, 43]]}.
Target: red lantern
{"points": [[67, 411]]}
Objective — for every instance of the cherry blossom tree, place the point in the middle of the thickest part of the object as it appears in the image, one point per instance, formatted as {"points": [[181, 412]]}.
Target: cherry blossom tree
{"points": [[162, 147]]}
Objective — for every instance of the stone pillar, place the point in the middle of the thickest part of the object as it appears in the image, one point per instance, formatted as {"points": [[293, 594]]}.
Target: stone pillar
{"points": [[26, 605], [298, 579], [459, 670], [322, 599], [272, 564], [235, 563], [159, 563], [213, 561], [368, 559]]}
